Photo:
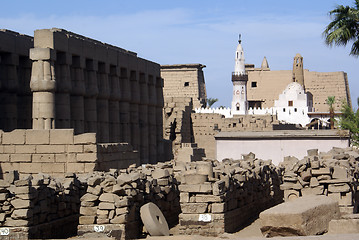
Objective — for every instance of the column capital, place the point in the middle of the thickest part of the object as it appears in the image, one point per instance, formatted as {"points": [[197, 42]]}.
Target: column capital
{"points": [[43, 54]]}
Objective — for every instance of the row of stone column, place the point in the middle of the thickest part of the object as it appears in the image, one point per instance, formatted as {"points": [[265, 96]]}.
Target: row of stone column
{"points": [[119, 104], [15, 94]]}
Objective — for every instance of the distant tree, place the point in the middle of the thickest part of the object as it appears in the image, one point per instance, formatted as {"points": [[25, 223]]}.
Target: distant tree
{"points": [[349, 120], [344, 28], [330, 102], [211, 101]]}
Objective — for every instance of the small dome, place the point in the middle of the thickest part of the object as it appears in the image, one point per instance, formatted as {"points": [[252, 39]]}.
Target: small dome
{"points": [[294, 86]]}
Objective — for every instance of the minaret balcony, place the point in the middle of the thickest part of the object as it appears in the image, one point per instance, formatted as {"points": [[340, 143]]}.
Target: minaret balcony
{"points": [[239, 77]]}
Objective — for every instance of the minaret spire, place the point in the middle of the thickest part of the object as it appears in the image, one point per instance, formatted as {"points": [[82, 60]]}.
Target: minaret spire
{"points": [[239, 80]]}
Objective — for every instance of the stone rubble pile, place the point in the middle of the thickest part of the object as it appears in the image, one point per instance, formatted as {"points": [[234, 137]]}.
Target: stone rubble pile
{"points": [[36, 201], [115, 197], [218, 197], [333, 174]]}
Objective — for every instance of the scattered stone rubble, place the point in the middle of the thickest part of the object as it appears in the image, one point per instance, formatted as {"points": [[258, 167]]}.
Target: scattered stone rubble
{"points": [[333, 174], [115, 197], [218, 197], [39, 204], [205, 197]]}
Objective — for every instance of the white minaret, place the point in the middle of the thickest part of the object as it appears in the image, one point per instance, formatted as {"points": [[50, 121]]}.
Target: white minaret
{"points": [[239, 79]]}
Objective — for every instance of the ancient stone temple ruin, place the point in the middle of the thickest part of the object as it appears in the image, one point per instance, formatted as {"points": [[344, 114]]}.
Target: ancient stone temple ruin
{"points": [[81, 148], [62, 80]]}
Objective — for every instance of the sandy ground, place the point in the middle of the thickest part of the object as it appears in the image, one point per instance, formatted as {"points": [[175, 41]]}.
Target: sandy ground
{"points": [[251, 232]]}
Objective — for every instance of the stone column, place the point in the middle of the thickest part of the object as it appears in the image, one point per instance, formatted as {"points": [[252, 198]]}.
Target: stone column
{"points": [[77, 94], [159, 119], [43, 86], [9, 87], [143, 117], [114, 104], [90, 102], [134, 114], [63, 89], [152, 127], [125, 107], [103, 129]]}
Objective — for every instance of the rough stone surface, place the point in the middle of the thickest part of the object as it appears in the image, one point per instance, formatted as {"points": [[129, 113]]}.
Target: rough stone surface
{"points": [[304, 216]]}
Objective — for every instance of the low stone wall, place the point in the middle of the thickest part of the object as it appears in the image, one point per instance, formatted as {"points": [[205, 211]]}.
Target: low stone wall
{"points": [[38, 206], [59, 151], [333, 173], [227, 197]]}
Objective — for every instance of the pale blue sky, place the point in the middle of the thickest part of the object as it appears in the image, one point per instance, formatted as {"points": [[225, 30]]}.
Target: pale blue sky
{"points": [[202, 31]]}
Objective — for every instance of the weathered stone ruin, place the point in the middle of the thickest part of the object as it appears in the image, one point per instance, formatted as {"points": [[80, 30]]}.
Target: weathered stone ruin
{"points": [[39, 206], [59, 151], [333, 174], [115, 198], [222, 197]]}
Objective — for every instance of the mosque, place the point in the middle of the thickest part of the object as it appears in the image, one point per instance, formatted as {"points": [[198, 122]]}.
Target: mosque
{"points": [[294, 105]]}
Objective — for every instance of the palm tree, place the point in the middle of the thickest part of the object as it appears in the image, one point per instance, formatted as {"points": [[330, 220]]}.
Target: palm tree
{"points": [[330, 102], [344, 28], [211, 101]]}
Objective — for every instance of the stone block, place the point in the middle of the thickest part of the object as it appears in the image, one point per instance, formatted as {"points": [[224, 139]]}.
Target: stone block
{"points": [[37, 136], [109, 197], [42, 54], [61, 136], [218, 207], [85, 220], [198, 188], [301, 217], [204, 198], [21, 157], [43, 158], [90, 148], [21, 203], [194, 207], [75, 167], [22, 214], [4, 157], [85, 138], [50, 149], [195, 178], [30, 167], [75, 148], [160, 173], [318, 190], [314, 182], [119, 219], [106, 206], [87, 157], [88, 211], [344, 226], [14, 137], [321, 171], [53, 167], [312, 152], [25, 148], [339, 187], [340, 173], [8, 148], [90, 167]]}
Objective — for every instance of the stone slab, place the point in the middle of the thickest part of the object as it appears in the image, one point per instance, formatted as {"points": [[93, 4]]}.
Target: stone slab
{"points": [[308, 215]]}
